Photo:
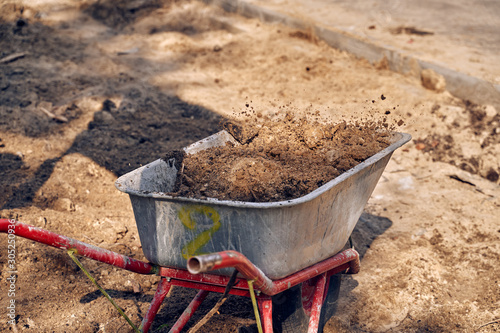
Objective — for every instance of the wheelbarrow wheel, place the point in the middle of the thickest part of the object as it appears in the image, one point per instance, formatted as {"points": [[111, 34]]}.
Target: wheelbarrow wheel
{"points": [[290, 308]]}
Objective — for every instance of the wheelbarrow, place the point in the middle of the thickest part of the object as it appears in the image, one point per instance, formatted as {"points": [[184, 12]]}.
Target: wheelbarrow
{"points": [[286, 256]]}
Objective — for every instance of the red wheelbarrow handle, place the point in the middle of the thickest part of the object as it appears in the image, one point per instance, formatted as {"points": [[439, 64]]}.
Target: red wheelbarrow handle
{"points": [[83, 249], [345, 260]]}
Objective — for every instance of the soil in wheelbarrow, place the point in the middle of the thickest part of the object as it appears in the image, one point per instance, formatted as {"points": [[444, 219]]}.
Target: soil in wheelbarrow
{"points": [[279, 158]]}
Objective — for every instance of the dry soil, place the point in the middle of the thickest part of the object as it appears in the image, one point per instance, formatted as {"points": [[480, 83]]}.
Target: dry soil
{"points": [[277, 159]]}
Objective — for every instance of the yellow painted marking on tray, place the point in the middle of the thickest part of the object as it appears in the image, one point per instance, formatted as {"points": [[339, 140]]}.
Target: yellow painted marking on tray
{"points": [[186, 216]]}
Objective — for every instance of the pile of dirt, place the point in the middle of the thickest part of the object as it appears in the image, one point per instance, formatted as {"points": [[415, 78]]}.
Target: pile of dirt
{"points": [[278, 159]]}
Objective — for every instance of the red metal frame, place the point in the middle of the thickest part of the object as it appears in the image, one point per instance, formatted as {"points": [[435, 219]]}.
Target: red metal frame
{"points": [[320, 290], [346, 260], [189, 311], [266, 310], [161, 291], [86, 250], [317, 275]]}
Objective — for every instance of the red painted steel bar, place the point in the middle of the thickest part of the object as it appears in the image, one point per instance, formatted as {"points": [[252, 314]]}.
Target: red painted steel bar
{"points": [[83, 249], [218, 280], [318, 298], [209, 287], [213, 261], [161, 291], [266, 310], [346, 260], [307, 291], [189, 311]]}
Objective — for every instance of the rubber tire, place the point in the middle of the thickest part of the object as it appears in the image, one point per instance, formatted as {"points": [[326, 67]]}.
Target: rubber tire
{"points": [[289, 315]]}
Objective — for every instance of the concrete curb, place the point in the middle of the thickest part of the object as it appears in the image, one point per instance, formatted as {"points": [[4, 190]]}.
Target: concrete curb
{"points": [[460, 85]]}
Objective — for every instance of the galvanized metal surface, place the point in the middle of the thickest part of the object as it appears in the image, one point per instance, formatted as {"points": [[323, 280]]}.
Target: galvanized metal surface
{"points": [[278, 237]]}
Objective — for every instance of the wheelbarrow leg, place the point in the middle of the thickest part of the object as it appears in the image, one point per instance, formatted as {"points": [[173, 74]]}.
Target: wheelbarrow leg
{"points": [[188, 313], [266, 309], [162, 290], [318, 299]]}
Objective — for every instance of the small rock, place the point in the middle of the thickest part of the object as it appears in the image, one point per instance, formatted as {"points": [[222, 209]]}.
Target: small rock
{"points": [[42, 221], [332, 155], [313, 137], [103, 117], [432, 80], [492, 175], [108, 105], [45, 105], [490, 111], [4, 83], [88, 104], [28, 13], [136, 286], [110, 231], [420, 146], [489, 165], [64, 204], [30, 322], [104, 272]]}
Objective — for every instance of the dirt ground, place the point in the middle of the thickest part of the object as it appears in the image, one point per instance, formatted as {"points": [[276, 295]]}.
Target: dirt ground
{"points": [[462, 34], [94, 89]]}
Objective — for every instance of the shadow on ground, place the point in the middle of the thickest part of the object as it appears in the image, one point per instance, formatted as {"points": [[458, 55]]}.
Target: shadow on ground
{"points": [[143, 126], [368, 228]]}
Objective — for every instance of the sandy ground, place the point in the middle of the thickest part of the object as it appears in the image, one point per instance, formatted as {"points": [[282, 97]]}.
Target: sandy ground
{"points": [[99, 89], [459, 34]]}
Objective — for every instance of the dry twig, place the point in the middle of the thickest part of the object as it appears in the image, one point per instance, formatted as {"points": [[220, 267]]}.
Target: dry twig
{"points": [[12, 57], [181, 175], [54, 116], [216, 307], [491, 322]]}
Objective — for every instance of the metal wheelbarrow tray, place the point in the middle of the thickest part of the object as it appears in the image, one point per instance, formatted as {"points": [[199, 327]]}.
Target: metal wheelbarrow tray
{"points": [[280, 238]]}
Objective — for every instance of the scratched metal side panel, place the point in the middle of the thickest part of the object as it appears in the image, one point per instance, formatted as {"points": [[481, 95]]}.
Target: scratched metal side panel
{"points": [[145, 217]]}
